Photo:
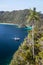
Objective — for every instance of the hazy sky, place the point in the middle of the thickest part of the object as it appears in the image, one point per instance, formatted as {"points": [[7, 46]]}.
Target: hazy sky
{"points": [[21, 4]]}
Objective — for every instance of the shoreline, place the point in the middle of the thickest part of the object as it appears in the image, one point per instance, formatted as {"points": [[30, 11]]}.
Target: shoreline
{"points": [[14, 24], [9, 23]]}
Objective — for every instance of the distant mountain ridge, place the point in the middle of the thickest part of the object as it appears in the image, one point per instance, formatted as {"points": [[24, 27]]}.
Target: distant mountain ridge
{"points": [[16, 17]]}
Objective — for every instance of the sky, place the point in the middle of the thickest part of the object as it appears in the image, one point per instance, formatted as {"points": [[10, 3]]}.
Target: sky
{"points": [[9, 5]]}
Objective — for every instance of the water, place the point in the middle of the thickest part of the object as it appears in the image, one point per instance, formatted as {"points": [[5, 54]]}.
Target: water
{"points": [[7, 44]]}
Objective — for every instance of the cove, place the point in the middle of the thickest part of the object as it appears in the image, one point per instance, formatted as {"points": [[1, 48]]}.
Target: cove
{"points": [[8, 45]]}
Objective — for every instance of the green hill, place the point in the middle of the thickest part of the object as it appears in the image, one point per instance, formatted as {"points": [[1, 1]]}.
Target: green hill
{"points": [[16, 16]]}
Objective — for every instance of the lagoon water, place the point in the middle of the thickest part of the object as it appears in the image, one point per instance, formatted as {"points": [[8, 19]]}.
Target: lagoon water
{"points": [[8, 45]]}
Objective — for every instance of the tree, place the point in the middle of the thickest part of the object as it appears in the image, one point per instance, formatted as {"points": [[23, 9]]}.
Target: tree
{"points": [[34, 17]]}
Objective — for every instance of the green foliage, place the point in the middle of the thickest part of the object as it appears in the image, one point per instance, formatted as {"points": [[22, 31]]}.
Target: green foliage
{"points": [[41, 55], [24, 55], [37, 48], [34, 16]]}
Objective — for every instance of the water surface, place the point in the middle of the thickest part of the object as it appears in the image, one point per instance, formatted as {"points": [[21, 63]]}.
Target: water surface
{"points": [[7, 44]]}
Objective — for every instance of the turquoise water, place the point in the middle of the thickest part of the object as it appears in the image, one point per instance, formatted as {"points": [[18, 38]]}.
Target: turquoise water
{"points": [[8, 45], [28, 28]]}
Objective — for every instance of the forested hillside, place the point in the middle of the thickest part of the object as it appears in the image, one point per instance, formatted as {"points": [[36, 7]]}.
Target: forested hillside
{"points": [[16, 17]]}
